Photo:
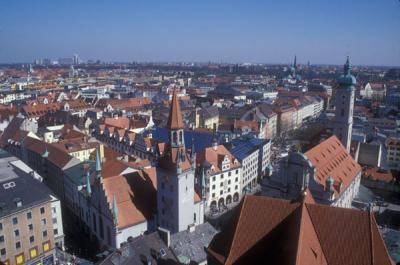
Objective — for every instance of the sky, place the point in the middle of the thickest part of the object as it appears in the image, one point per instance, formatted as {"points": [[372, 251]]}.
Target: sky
{"points": [[232, 31]]}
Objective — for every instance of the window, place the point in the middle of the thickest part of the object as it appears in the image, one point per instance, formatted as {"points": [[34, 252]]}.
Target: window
{"points": [[20, 259], [15, 221], [1, 239], [54, 209], [3, 252], [44, 221], [16, 232], [342, 112], [18, 245], [33, 252], [213, 187], [214, 178], [221, 184], [42, 210], [30, 226], [194, 217], [229, 174], [229, 181], [55, 231], [222, 176], [221, 192], [213, 195], [1, 226], [237, 171], [29, 215], [44, 233], [180, 136], [31, 239], [46, 246], [54, 220]]}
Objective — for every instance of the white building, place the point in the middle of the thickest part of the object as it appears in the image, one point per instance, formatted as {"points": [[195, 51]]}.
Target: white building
{"points": [[218, 176]]}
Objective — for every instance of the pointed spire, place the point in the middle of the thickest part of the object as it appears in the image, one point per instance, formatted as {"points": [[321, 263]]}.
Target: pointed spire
{"points": [[98, 163], [295, 62], [347, 67], [46, 152], [175, 116], [115, 208], [178, 162], [88, 188]]}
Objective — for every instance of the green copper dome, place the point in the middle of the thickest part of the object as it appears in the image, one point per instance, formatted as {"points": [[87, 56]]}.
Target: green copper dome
{"points": [[347, 79]]}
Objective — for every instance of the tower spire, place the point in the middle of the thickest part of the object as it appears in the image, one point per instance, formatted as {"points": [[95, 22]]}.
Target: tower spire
{"points": [[175, 116], [98, 163], [88, 188], [347, 67], [295, 62], [115, 208]]}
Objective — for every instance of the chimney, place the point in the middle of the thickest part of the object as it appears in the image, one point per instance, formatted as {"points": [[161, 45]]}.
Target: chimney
{"points": [[165, 236], [191, 228]]}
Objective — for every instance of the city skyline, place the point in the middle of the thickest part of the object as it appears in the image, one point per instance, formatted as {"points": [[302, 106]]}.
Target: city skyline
{"points": [[322, 32]]}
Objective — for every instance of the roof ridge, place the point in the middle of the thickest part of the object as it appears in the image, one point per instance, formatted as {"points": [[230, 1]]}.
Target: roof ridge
{"points": [[371, 237], [236, 227], [312, 222], [300, 233]]}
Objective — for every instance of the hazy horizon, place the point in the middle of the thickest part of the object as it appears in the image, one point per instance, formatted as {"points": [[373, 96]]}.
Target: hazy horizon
{"points": [[320, 31]]}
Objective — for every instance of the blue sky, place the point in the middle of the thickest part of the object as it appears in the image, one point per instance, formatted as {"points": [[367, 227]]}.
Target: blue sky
{"points": [[320, 31]]}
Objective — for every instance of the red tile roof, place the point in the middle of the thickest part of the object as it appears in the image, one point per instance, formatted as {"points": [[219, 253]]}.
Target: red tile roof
{"points": [[274, 231], [330, 158]]}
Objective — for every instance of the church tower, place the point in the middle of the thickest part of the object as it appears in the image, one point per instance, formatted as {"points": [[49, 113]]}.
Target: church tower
{"points": [[175, 177], [344, 104]]}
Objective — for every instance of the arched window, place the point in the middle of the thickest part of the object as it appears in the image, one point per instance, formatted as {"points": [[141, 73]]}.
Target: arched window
{"points": [[180, 136], [174, 137]]}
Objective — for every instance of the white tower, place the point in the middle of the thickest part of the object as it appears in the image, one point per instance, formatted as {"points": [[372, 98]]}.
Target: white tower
{"points": [[344, 103], [175, 177]]}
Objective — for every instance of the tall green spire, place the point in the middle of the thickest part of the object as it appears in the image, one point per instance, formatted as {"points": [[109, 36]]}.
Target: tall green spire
{"points": [[88, 188], [98, 163], [115, 208]]}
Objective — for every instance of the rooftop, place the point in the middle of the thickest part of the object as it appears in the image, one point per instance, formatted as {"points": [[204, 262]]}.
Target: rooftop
{"points": [[14, 182], [191, 245]]}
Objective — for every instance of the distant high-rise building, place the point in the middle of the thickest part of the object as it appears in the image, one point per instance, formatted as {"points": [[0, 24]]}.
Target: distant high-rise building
{"points": [[76, 59], [65, 61], [344, 104]]}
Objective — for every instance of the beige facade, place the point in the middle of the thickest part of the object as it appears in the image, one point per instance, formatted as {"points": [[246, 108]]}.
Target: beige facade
{"points": [[27, 236]]}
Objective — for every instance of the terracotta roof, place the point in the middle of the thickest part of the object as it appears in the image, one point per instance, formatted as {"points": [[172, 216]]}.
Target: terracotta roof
{"points": [[55, 155], [330, 158], [274, 231], [253, 125], [375, 173], [175, 116], [135, 194], [214, 157]]}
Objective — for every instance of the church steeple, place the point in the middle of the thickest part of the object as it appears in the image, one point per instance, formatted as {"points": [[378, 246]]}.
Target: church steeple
{"points": [[175, 123], [344, 105], [347, 67], [88, 188], [175, 116], [98, 164]]}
